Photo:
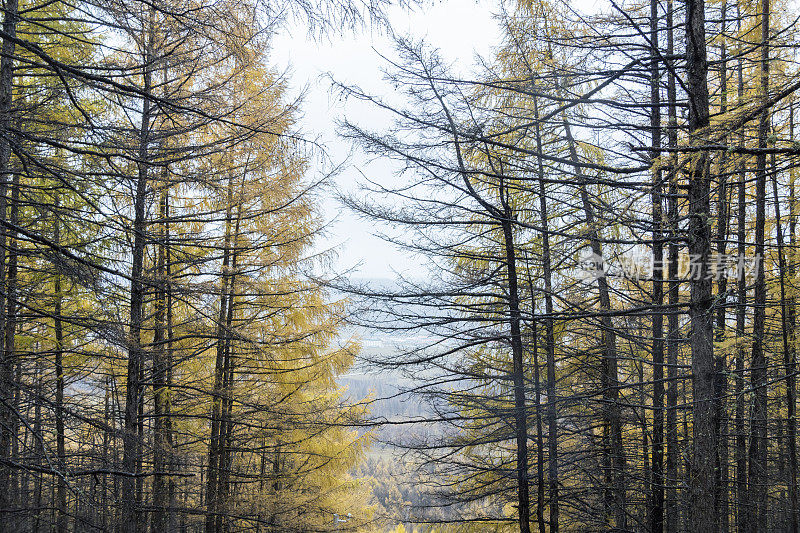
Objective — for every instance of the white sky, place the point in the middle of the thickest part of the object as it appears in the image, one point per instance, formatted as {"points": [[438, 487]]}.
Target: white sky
{"points": [[460, 29]]}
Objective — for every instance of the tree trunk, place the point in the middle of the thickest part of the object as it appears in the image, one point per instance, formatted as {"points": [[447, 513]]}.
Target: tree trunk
{"points": [[609, 373], [226, 429], [9, 335], [741, 317], [671, 509], [540, 496], [791, 380], [223, 333], [6, 364], [702, 481], [61, 491], [657, 484], [757, 453], [37, 430], [161, 439], [131, 519], [721, 380], [172, 463], [518, 375], [549, 339], [788, 359]]}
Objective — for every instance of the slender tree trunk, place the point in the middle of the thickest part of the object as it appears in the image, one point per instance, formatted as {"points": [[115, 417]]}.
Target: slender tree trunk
{"points": [[229, 370], [262, 476], [172, 464], [520, 410], [791, 319], [9, 335], [537, 387], [504, 216], [723, 420], [131, 519], [37, 430], [6, 364], [61, 491], [647, 463], [226, 431], [609, 377], [671, 510], [788, 359], [276, 486], [203, 496], [702, 481], [721, 380], [141, 515], [549, 338], [657, 483], [757, 453], [161, 449], [741, 317], [223, 332], [108, 442]]}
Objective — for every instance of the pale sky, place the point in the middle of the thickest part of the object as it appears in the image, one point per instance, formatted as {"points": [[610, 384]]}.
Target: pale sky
{"points": [[460, 29]]}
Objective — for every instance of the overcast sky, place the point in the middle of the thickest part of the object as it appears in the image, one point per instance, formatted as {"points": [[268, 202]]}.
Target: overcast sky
{"points": [[460, 29]]}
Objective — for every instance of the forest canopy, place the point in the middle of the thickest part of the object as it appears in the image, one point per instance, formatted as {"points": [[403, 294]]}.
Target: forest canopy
{"points": [[598, 333]]}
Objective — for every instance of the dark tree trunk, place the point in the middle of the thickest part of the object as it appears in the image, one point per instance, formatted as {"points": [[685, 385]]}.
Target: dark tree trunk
{"points": [[721, 380], [9, 335], [172, 463], [757, 453], [518, 373], [226, 430], [537, 387], [61, 490], [161, 439], [549, 339], [37, 430], [216, 445], [609, 373], [702, 480], [741, 317], [671, 509], [657, 484], [131, 520], [788, 360], [791, 379], [6, 364], [721, 387]]}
